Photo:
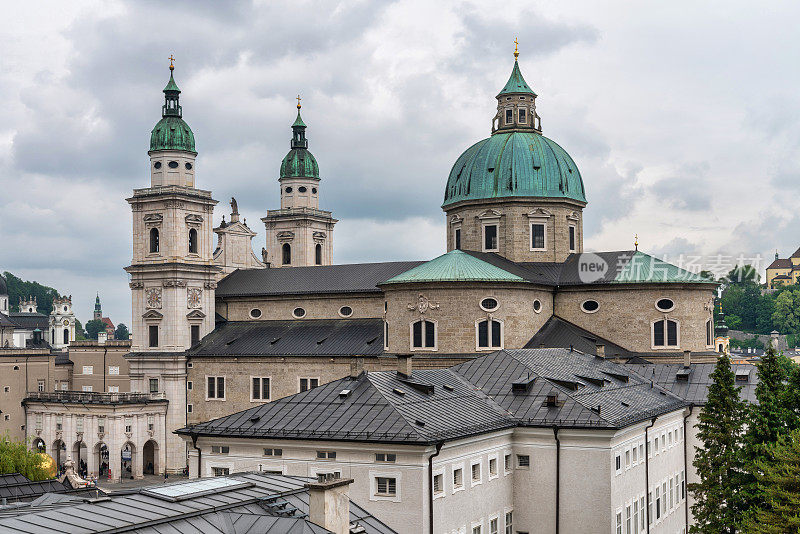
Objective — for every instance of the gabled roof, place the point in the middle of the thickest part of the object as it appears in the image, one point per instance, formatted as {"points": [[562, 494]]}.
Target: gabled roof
{"points": [[348, 278], [781, 263], [107, 322], [624, 267], [455, 266], [6, 322], [474, 397], [516, 83], [796, 254], [560, 333], [18, 487], [695, 388], [299, 337]]}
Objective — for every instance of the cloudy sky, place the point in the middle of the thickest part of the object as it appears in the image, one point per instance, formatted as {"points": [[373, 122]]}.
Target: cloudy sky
{"points": [[684, 119]]}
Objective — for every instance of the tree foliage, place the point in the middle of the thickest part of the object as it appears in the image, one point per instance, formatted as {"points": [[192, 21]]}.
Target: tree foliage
{"points": [[718, 463], [18, 288], [80, 333], [786, 316], [121, 332], [93, 327], [15, 457]]}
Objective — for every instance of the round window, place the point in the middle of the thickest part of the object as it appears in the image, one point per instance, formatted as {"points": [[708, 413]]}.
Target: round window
{"points": [[590, 306], [345, 311], [537, 306], [288, 189], [255, 313], [489, 304], [299, 313], [314, 190], [665, 305], [173, 164], [302, 189], [157, 165], [188, 166]]}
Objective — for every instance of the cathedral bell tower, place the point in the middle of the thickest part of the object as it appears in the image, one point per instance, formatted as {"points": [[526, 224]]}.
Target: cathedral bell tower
{"points": [[172, 274], [299, 234]]}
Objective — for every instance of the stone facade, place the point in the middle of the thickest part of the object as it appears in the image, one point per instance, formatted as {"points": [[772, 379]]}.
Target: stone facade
{"points": [[514, 218], [105, 365], [325, 306], [21, 371], [235, 245], [62, 323]]}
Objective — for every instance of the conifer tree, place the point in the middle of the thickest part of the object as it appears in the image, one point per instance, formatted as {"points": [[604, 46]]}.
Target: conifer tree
{"points": [[779, 483], [716, 508]]}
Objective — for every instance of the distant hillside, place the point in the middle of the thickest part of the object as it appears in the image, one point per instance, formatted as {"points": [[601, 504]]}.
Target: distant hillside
{"points": [[18, 288]]}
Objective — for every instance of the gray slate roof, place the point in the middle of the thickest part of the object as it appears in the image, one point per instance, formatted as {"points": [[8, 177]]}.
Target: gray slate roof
{"points": [[349, 278], [5, 322], [250, 504], [443, 404], [29, 321], [558, 332], [694, 390], [310, 337], [16, 487]]}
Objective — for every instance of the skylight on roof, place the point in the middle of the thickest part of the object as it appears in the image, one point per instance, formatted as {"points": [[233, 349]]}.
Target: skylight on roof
{"points": [[197, 488]]}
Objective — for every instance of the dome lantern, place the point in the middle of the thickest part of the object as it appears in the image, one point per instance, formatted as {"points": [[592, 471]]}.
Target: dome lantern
{"points": [[172, 132], [516, 104], [299, 162]]}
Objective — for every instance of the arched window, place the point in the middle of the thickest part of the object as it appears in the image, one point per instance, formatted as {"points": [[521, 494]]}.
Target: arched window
{"points": [[192, 241], [154, 248], [490, 334], [287, 254], [66, 336], [709, 332], [318, 254], [53, 336], [423, 334], [665, 333], [720, 348]]}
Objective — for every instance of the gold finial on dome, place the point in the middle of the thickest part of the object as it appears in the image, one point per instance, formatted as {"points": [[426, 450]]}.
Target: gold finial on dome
{"points": [[516, 48], [636, 241], [298, 101], [171, 59]]}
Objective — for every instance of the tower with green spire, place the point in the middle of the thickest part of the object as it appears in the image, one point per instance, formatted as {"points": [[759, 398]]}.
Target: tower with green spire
{"points": [[299, 234], [98, 311]]}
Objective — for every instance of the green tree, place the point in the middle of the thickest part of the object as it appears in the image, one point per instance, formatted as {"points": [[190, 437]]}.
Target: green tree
{"points": [[779, 483], [18, 288], [718, 461], [15, 457], [121, 332], [766, 421], [80, 333], [786, 316], [743, 274], [93, 327]]}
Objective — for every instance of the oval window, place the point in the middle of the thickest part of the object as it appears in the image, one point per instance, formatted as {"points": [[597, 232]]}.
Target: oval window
{"points": [[665, 305], [157, 165], [590, 306], [299, 312], [173, 164], [288, 189], [537, 306], [314, 190], [345, 311], [302, 189], [255, 313], [489, 304], [188, 166]]}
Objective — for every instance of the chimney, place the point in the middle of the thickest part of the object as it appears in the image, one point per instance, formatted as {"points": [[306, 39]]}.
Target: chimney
{"points": [[600, 350], [329, 503], [687, 359], [102, 337], [356, 367], [404, 364]]}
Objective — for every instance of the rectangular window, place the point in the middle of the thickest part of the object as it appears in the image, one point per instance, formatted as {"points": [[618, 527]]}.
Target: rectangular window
{"points": [[650, 507], [40, 385], [627, 459], [664, 498], [658, 502], [628, 519], [113, 389], [476, 472], [476, 529], [38, 421], [522, 117], [220, 449], [259, 388], [438, 483], [423, 335], [101, 424], [537, 236], [683, 487], [642, 525], [507, 462], [493, 525], [64, 386], [641, 451], [273, 452], [490, 238], [655, 443], [215, 387], [509, 116], [113, 369], [79, 424], [634, 456], [220, 471], [59, 423], [189, 408], [128, 424], [154, 385], [195, 333], [385, 457], [189, 385], [458, 239], [484, 334], [386, 486], [672, 333], [509, 523], [618, 463], [458, 478], [658, 334], [492, 467], [152, 332], [308, 383], [635, 516], [619, 523], [88, 369], [87, 389], [326, 455], [572, 239], [151, 422], [523, 460]]}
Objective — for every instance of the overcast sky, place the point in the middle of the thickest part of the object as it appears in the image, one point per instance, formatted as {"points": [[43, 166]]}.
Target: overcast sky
{"points": [[684, 120]]}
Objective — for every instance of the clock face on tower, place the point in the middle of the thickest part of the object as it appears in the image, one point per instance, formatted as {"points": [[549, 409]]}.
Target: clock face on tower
{"points": [[66, 322], [193, 297], [153, 297]]}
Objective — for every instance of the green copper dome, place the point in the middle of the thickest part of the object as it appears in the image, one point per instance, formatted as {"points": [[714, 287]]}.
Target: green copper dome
{"points": [[299, 162], [514, 164], [172, 132]]}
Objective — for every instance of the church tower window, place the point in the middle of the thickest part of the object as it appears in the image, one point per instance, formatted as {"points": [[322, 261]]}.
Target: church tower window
{"points": [[522, 117], [154, 247], [537, 236], [287, 254], [318, 254], [572, 239], [458, 239], [152, 332], [509, 116], [195, 334], [66, 336], [490, 238], [193, 241]]}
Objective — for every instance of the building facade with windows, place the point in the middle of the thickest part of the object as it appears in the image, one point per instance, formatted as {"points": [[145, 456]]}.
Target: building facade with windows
{"points": [[783, 271]]}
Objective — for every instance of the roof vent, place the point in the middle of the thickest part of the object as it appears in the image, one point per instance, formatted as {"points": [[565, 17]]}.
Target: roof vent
{"points": [[552, 399], [419, 423], [274, 340], [625, 404], [448, 387], [743, 375], [321, 341], [595, 409], [683, 375], [596, 381], [373, 340], [255, 419], [399, 391], [419, 386], [618, 376], [522, 387], [345, 393]]}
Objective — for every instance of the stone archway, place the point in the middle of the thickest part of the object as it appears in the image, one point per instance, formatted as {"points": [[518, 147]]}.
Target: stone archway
{"points": [[39, 446], [128, 457], [102, 460], [59, 454], [150, 458], [80, 454]]}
